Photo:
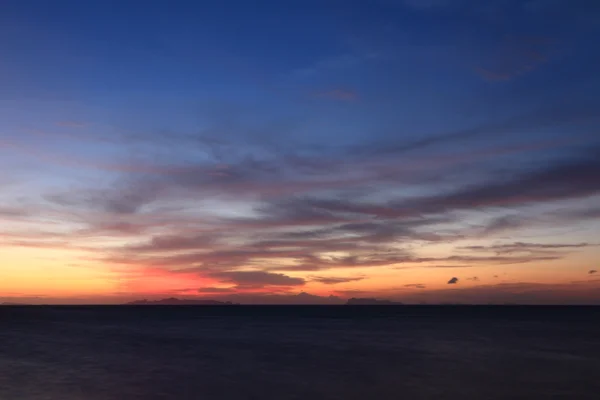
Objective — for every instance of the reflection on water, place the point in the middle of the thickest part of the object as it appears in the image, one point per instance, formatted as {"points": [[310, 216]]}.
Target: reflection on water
{"points": [[100, 353]]}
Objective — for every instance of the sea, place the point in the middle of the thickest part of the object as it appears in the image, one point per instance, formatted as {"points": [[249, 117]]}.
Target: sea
{"points": [[299, 352]]}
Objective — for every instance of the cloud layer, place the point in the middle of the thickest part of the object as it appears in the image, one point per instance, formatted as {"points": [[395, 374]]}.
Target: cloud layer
{"points": [[391, 143]]}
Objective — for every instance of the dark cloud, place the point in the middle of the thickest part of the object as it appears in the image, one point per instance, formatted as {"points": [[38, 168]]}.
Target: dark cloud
{"points": [[520, 247], [257, 278], [565, 180], [274, 177], [509, 224], [505, 223], [453, 281], [335, 280], [275, 171], [299, 268], [14, 212], [305, 210], [502, 259], [415, 285], [319, 212], [372, 259], [308, 255], [175, 243], [592, 271], [346, 201], [552, 114], [123, 199], [583, 214]]}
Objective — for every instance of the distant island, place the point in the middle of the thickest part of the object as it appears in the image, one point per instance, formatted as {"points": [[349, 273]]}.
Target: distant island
{"points": [[172, 301], [371, 302]]}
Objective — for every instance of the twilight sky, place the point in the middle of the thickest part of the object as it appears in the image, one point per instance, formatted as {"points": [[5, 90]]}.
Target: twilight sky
{"points": [[300, 151]]}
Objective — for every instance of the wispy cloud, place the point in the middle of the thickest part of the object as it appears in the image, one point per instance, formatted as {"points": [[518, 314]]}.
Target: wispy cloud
{"points": [[335, 280], [521, 247], [415, 286], [256, 278]]}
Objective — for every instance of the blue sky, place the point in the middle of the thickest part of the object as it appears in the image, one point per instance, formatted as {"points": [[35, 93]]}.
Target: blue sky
{"points": [[257, 150]]}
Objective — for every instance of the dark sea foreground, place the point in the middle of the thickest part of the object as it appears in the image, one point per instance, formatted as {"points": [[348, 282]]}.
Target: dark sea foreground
{"points": [[343, 352]]}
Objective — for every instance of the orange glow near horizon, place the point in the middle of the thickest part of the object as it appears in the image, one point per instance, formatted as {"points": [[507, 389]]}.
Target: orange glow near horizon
{"points": [[57, 275]]}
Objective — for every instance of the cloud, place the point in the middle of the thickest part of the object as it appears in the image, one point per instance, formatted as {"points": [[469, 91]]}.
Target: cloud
{"points": [[364, 248], [510, 259], [522, 247], [122, 199], [574, 178], [257, 278], [15, 212], [592, 271], [505, 223], [453, 281], [415, 285], [319, 209], [338, 94], [284, 172], [583, 214], [175, 243], [264, 195], [335, 280], [474, 279]]}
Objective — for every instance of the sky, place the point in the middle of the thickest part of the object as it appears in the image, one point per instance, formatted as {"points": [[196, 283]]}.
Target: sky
{"points": [[423, 151]]}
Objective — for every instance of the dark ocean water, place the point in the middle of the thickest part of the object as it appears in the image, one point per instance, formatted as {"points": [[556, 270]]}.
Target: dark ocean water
{"points": [[423, 352]]}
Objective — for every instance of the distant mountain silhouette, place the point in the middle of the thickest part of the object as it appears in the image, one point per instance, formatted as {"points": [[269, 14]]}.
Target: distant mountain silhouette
{"points": [[11, 304], [172, 301], [370, 302]]}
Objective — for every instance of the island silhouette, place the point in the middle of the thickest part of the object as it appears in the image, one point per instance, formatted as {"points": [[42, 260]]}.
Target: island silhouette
{"points": [[172, 301], [371, 302]]}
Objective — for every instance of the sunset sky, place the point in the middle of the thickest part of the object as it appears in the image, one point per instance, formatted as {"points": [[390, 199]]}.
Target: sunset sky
{"points": [[300, 151]]}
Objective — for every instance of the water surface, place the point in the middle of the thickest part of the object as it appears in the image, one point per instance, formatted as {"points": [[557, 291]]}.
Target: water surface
{"points": [[252, 352]]}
